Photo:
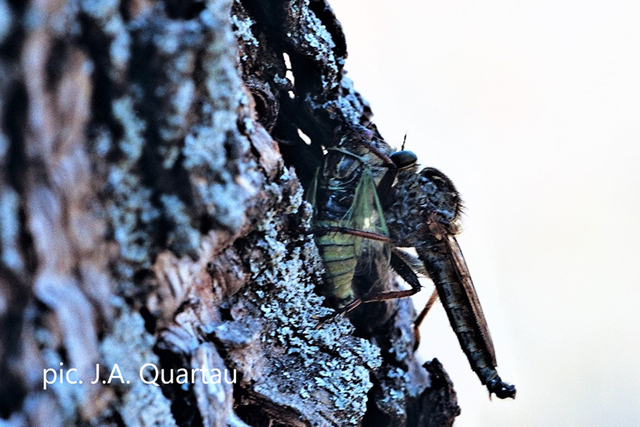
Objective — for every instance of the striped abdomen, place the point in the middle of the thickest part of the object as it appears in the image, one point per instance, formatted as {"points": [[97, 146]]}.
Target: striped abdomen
{"points": [[338, 251]]}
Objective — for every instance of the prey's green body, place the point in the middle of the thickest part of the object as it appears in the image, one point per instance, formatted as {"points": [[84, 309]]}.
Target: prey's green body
{"points": [[352, 242], [349, 226]]}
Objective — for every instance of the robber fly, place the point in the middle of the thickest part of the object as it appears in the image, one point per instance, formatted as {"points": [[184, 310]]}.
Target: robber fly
{"points": [[424, 214], [349, 225], [355, 180]]}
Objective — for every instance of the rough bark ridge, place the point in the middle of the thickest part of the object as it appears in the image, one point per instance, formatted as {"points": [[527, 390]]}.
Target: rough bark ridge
{"points": [[148, 217]]}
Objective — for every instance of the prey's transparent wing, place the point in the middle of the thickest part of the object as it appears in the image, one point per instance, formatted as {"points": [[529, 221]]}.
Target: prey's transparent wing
{"points": [[310, 195], [365, 219]]}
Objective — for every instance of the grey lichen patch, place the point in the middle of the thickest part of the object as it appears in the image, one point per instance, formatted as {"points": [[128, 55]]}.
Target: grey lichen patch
{"points": [[392, 395], [222, 80], [282, 82], [129, 209], [296, 199], [193, 130], [400, 340], [133, 141], [182, 236], [203, 148], [10, 229], [141, 404], [107, 15], [309, 357], [177, 45], [316, 39], [5, 20], [242, 29], [350, 104], [175, 120], [223, 176], [220, 183], [130, 212]]}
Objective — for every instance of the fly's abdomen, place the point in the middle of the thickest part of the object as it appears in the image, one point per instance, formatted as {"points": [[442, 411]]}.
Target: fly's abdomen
{"points": [[446, 267], [462, 321], [339, 255]]}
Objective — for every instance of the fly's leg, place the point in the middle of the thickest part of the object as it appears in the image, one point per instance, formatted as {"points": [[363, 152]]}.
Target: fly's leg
{"points": [[416, 323], [403, 264], [354, 232], [339, 312], [432, 300], [395, 162], [401, 267], [413, 264]]}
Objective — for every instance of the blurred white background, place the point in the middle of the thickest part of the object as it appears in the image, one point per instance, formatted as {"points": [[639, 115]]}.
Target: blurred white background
{"points": [[533, 109]]}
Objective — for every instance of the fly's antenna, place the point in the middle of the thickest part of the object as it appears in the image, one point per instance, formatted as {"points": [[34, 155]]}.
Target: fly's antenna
{"points": [[404, 140]]}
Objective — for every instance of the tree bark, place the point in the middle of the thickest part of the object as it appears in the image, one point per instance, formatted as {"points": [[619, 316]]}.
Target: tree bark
{"points": [[152, 215]]}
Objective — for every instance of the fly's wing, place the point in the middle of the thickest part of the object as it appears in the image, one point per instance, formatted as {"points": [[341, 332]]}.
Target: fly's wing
{"points": [[470, 291]]}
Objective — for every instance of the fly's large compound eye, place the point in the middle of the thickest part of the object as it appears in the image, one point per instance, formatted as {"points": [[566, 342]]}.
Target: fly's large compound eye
{"points": [[404, 159]]}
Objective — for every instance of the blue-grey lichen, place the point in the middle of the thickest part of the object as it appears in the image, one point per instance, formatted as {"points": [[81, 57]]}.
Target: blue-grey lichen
{"points": [[223, 180], [130, 211], [133, 140], [107, 14], [143, 404], [5, 20], [177, 44], [403, 342], [316, 39], [242, 29], [10, 229], [326, 362], [182, 236], [219, 177], [348, 105], [282, 82], [220, 189]]}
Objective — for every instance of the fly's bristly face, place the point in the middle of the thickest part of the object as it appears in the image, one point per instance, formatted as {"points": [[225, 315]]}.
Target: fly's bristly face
{"points": [[423, 205]]}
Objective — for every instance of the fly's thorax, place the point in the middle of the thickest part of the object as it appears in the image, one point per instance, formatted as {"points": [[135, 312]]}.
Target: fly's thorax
{"points": [[421, 204], [442, 194]]}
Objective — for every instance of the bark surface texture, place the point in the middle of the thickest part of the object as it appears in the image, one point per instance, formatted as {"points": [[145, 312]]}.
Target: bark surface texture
{"points": [[151, 212]]}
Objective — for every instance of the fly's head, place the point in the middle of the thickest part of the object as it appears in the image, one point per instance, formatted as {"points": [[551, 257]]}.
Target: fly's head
{"points": [[423, 206]]}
